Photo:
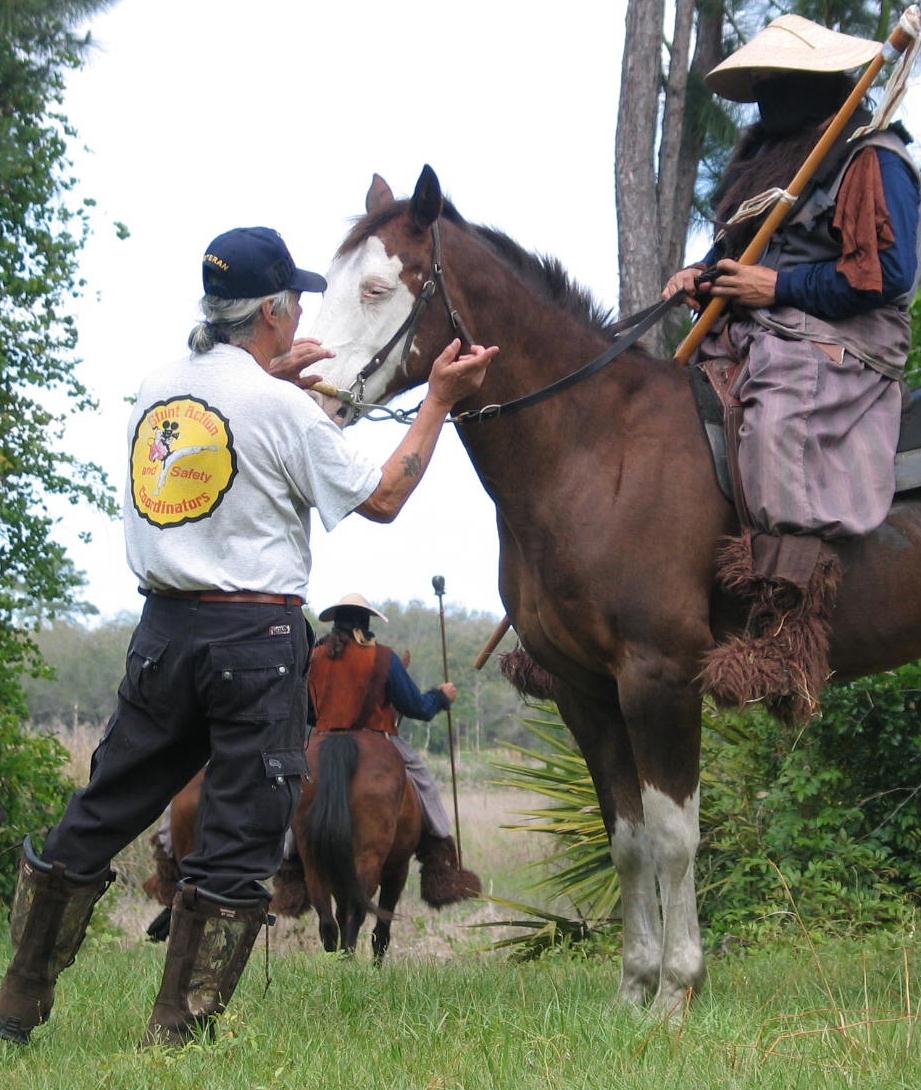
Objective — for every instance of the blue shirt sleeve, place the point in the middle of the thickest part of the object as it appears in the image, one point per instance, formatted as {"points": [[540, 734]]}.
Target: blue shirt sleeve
{"points": [[405, 696], [821, 290]]}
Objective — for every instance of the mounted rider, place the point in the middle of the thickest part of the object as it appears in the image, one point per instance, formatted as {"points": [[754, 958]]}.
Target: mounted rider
{"points": [[821, 329], [357, 683]]}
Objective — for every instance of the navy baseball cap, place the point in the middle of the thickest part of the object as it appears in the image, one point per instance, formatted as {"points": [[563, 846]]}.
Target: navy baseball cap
{"points": [[251, 262]]}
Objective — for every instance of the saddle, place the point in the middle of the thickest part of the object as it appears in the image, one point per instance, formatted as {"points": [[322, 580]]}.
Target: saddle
{"points": [[721, 415]]}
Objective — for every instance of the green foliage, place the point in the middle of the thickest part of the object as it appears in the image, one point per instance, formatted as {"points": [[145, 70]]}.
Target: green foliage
{"points": [[579, 865], [546, 934], [42, 229], [779, 1019], [821, 830], [913, 366], [826, 823], [86, 665], [33, 792]]}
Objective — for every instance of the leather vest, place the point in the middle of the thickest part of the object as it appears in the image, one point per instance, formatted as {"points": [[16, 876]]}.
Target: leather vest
{"points": [[880, 337], [349, 692]]}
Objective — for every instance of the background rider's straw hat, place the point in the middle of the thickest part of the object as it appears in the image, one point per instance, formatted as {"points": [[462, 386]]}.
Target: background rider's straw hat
{"points": [[356, 601], [788, 44]]}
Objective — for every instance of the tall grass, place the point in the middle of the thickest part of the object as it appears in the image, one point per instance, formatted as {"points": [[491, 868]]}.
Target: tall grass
{"points": [[447, 1013], [776, 1020]]}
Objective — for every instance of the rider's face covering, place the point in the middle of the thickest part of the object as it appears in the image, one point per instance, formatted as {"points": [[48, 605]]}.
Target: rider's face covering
{"points": [[799, 100]]}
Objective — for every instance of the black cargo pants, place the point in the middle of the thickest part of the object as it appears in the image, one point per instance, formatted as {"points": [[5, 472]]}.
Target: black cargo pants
{"points": [[222, 682]]}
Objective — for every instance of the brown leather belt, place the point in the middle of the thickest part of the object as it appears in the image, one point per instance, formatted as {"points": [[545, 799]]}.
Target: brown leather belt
{"points": [[232, 596]]}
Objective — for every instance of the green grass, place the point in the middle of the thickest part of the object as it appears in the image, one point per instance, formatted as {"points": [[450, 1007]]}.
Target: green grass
{"points": [[846, 1016]]}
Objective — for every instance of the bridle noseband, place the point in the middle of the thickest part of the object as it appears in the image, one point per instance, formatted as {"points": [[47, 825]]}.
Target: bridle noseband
{"points": [[435, 284]]}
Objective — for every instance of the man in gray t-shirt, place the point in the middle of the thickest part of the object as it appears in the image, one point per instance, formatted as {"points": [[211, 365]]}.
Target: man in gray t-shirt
{"points": [[225, 463]]}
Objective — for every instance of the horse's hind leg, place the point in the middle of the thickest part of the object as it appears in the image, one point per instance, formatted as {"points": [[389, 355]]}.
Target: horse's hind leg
{"points": [[318, 892], [392, 884], [351, 916], [599, 729]]}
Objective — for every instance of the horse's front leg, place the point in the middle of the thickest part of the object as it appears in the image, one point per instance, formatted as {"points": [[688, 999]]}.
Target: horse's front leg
{"points": [[599, 728], [662, 712]]}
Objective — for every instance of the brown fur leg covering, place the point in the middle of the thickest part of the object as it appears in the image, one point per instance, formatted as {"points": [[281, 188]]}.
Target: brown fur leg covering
{"points": [[735, 566], [161, 886], [289, 891], [523, 673], [784, 662], [443, 882]]}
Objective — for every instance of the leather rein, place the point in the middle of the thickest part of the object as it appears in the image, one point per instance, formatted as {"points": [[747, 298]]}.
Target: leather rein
{"points": [[626, 333]]}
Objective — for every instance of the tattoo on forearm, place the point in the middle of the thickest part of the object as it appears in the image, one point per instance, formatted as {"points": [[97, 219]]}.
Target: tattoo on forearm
{"points": [[412, 465]]}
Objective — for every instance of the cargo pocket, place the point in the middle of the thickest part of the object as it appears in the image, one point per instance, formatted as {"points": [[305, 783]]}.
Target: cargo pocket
{"points": [[252, 681], [275, 803], [142, 684]]}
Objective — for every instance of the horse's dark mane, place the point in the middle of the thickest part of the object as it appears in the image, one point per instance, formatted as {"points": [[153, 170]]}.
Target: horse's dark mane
{"points": [[545, 274]]}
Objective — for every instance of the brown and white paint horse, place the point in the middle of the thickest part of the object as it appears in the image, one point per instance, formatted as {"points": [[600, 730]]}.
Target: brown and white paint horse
{"points": [[609, 516]]}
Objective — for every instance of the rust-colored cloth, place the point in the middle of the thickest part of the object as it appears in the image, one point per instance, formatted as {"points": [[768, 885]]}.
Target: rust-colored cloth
{"points": [[350, 691], [862, 217]]}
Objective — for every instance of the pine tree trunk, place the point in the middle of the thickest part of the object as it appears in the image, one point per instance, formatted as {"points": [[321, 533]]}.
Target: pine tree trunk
{"points": [[635, 181]]}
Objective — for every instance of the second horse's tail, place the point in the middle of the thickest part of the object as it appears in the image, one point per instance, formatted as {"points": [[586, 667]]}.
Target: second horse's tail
{"points": [[329, 823]]}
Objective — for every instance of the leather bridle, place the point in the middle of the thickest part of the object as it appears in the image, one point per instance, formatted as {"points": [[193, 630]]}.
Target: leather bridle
{"points": [[626, 333], [434, 285]]}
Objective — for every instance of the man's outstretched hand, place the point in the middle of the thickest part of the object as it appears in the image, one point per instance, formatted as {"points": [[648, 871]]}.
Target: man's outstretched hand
{"points": [[304, 352]]}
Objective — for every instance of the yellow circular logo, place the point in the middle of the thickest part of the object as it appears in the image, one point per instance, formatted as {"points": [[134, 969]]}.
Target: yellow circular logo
{"points": [[182, 462]]}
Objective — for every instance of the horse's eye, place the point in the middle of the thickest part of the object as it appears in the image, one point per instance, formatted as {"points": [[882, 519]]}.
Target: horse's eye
{"points": [[374, 291]]}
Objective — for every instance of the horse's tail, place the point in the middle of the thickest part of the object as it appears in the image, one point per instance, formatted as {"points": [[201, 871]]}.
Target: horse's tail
{"points": [[329, 823]]}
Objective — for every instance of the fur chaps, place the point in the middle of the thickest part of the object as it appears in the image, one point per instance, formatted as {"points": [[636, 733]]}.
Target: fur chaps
{"points": [[289, 889], [523, 673], [782, 657], [443, 882]]}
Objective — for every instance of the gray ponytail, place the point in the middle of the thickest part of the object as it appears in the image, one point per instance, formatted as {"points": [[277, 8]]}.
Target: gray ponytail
{"points": [[231, 321]]}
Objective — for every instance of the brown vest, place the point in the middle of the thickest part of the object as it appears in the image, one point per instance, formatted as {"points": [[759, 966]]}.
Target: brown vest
{"points": [[350, 692]]}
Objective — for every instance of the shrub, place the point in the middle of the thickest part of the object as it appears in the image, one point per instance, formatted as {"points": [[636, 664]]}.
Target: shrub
{"points": [[33, 792], [820, 829]]}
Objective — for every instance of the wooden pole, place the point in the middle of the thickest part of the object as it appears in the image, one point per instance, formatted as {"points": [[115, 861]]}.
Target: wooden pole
{"points": [[438, 583], [898, 42], [492, 643]]}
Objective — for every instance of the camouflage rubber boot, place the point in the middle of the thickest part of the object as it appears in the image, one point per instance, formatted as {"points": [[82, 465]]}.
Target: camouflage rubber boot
{"points": [[443, 881], [50, 913], [209, 943]]}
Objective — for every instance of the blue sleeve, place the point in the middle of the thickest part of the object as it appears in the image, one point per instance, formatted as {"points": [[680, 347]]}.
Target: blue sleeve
{"points": [[821, 290], [404, 695]]}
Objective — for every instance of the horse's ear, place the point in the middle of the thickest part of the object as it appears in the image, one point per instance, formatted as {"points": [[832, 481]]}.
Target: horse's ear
{"points": [[378, 195], [427, 200]]}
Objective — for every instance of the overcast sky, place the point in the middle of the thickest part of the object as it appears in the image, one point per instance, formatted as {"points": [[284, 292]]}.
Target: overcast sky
{"points": [[200, 115]]}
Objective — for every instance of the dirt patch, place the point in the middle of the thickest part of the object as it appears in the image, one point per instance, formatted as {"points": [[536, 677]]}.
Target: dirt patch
{"points": [[503, 858]]}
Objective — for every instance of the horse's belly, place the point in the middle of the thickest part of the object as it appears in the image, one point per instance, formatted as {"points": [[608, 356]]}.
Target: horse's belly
{"points": [[877, 620]]}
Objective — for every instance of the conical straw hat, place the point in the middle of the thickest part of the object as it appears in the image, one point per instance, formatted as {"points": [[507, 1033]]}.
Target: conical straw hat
{"points": [[788, 44], [356, 601]]}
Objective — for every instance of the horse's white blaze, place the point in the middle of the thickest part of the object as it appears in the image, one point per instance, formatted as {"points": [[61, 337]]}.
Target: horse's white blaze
{"points": [[642, 953], [365, 303], [673, 834]]}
